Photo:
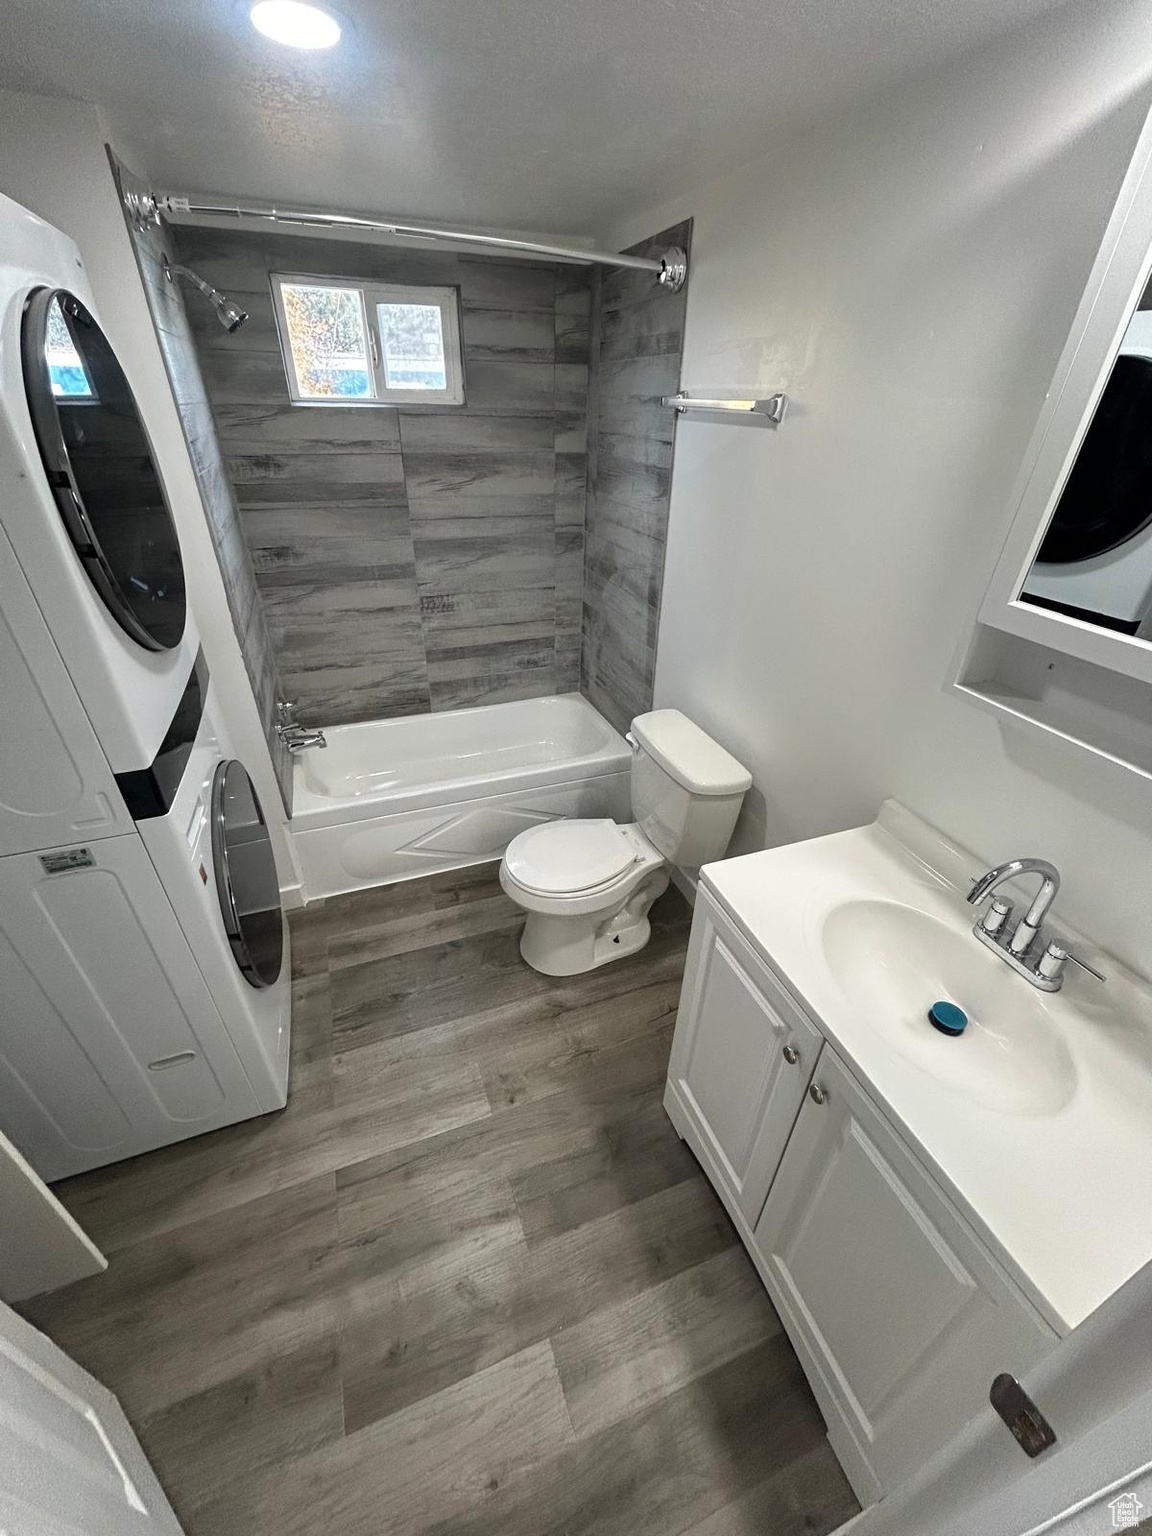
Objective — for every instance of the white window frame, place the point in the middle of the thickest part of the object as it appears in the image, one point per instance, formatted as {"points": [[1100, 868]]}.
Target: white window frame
{"points": [[370, 294], [447, 300]]}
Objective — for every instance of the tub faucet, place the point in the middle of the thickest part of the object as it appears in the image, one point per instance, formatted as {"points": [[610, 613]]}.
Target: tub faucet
{"points": [[296, 737], [1023, 946]]}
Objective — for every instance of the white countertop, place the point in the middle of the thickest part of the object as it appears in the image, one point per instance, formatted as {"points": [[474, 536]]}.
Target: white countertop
{"points": [[1062, 1194]]}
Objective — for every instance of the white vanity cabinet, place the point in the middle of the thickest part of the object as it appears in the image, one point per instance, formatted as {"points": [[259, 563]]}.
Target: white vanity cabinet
{"points": [[900, 1315], [742, 1058]]}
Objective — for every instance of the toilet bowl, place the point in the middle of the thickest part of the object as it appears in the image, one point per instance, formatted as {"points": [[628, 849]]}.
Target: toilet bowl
{"points": [[587, 885]]}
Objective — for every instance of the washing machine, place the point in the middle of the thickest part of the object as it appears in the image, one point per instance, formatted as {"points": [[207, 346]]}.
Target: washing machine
{"points": [[82, 500], [199, 817], [1095, 562]]}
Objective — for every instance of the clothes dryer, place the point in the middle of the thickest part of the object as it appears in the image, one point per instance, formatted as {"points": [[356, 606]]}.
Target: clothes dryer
{"points": [[82, 498]]}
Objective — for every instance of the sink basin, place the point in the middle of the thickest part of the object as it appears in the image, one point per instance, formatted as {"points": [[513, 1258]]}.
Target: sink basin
{"points": [[893, 962]]}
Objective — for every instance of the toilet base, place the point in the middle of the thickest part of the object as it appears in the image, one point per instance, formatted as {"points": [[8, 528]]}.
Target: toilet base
{"points": [[568, 946]]}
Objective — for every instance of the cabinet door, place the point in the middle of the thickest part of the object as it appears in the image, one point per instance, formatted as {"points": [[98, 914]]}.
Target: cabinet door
{"points": [[741, 1059], [69, 1460], [900, 1316]]}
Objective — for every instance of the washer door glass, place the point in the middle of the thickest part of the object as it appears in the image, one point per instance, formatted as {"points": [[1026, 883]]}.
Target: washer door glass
{"points": [[1107, 499], [100, 466], [246, 880]]}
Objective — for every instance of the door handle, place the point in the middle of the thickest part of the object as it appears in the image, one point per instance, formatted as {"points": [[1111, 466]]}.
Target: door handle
{"points": [[791, 1055], [162, 1063], [817, 1094]]}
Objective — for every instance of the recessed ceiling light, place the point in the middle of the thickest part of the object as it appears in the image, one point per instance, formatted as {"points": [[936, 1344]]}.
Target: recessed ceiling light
{"points": [[295, 24]]}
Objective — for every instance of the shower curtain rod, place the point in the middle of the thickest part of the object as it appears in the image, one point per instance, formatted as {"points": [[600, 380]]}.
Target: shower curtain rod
{"points": [[670, 269]]}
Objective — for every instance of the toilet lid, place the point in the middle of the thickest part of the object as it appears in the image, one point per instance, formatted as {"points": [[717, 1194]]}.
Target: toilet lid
{"points": [[565, 857]]}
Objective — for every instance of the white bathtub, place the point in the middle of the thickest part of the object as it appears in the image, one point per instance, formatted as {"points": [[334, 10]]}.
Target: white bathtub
{"points": [[393, 799]]}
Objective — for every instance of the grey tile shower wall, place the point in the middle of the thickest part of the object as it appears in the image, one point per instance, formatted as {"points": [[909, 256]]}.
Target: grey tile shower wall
{"points": [[416, 559], [637, 340], [170, 318]]}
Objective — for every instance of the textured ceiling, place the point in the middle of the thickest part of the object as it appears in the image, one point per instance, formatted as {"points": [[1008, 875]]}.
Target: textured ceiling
{"points": [[534, 114]]}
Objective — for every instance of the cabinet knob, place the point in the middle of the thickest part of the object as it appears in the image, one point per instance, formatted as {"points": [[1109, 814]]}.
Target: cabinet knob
{"points": [[817, 1094], [791, 1055]]}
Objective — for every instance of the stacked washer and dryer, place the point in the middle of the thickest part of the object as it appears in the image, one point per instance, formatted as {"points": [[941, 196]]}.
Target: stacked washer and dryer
{"points": [[144, 969]]}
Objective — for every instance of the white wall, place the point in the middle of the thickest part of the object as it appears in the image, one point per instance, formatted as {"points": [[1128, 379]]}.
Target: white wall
{"points": [[909, 274], [53, 161]]}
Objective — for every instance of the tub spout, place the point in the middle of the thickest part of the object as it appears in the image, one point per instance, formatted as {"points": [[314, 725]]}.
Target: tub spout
{"points": [[297, 739]]}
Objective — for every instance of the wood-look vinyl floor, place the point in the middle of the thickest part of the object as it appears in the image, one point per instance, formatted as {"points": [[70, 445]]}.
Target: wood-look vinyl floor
{"points": [[469, 1281]]}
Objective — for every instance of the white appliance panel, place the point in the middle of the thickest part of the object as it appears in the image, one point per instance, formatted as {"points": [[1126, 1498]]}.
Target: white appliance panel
{"points": [[111, 1042], [55, 783]]}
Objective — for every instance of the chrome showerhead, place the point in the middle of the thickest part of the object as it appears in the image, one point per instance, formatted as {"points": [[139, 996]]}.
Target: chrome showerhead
{"points": [[230, 315]]}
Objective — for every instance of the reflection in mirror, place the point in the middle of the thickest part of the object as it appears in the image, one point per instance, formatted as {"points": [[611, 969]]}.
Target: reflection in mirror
{"points": [[66, 371], [1095, 560]]}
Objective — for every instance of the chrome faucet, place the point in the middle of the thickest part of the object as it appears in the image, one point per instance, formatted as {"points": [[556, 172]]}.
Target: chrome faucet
{"points": [[296, 737], [1023, 947]]}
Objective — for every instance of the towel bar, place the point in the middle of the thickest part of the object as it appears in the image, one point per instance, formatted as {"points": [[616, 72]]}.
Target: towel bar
{"points": [[772, 409]]}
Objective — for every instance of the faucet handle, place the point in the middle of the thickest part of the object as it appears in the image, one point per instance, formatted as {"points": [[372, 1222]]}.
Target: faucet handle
{"points": [[1056, 957], [1091, 969], [996, 916], [286, 711]]}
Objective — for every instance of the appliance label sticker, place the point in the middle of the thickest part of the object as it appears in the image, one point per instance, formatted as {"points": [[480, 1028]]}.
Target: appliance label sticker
{"points": [[67, 859]]}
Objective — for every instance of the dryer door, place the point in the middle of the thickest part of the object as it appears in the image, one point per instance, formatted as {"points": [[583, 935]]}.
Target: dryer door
{"points": [[100, 466], [1107, 499], [246, 881]]}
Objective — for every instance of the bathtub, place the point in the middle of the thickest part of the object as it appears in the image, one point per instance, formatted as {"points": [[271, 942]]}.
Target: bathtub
{"points": [[394, 799]]}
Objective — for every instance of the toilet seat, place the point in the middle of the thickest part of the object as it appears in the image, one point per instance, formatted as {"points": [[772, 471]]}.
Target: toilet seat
{"points": [[571, 858]]}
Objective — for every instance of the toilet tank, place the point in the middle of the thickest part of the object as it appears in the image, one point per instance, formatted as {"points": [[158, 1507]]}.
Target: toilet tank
{"points": [[686, 789]]}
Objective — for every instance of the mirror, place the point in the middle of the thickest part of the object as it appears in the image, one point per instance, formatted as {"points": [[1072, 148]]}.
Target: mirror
{"points": [[1094, 562]]}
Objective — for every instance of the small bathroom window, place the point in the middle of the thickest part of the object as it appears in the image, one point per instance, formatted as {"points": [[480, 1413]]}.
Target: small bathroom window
{"points": [[369, 343]]}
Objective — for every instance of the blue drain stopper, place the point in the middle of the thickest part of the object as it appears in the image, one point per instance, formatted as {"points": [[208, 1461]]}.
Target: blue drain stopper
{"points": [[947, 1018]]}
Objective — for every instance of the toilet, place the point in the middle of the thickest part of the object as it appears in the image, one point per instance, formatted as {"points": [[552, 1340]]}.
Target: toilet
{"points": [[587, 884]]}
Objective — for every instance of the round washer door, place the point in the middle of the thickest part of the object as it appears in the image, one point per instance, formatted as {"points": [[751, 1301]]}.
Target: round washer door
{"points": [[1107, 498], [101, 470], [246, 880]]}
